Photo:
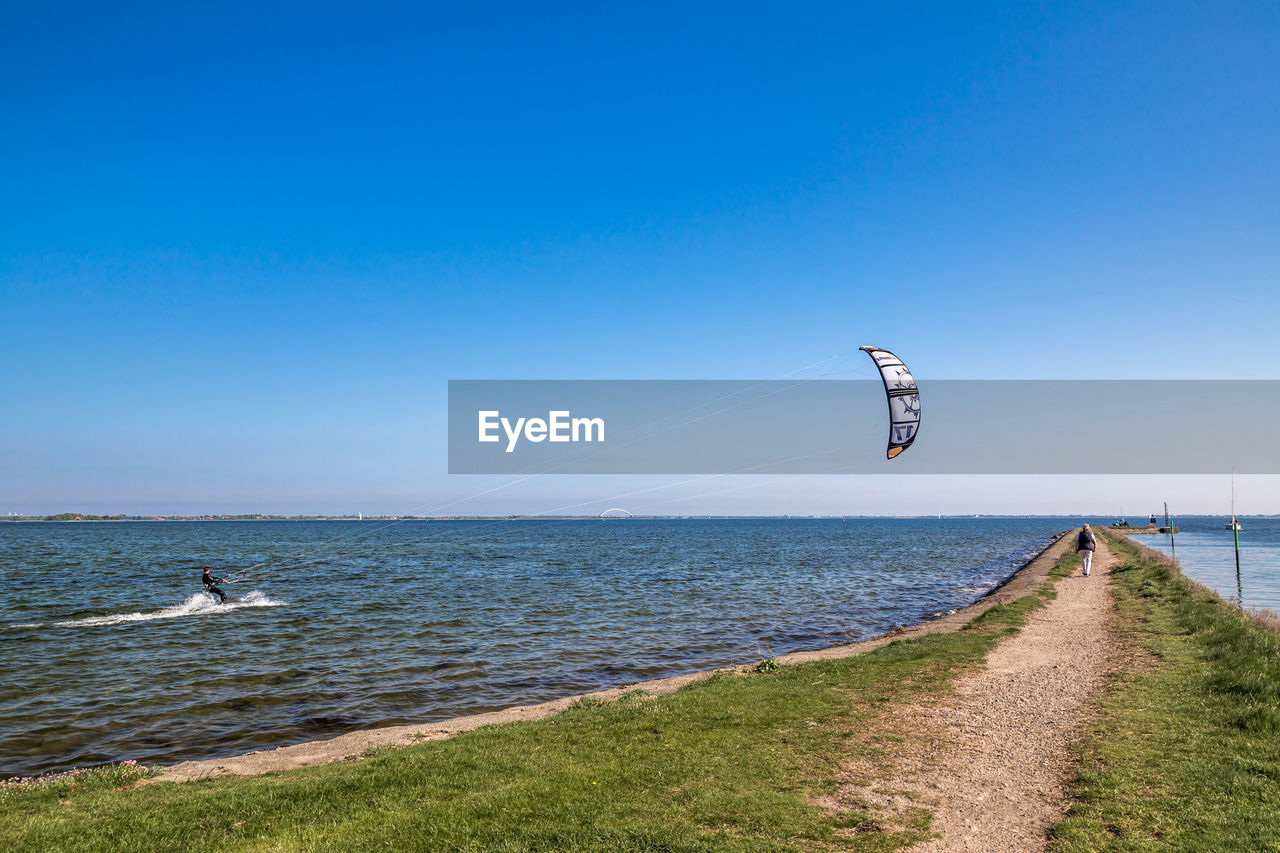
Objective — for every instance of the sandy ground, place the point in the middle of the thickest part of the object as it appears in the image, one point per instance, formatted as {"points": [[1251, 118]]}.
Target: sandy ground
{"points": [[355, 744], [993, 763]]}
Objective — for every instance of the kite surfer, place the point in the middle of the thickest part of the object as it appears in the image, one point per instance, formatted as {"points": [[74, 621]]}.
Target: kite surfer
{"points": [[1085, 545], [211, 585]]}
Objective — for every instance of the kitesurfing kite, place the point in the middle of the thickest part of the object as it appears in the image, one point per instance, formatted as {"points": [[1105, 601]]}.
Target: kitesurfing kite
{"points": [[904, 399]]}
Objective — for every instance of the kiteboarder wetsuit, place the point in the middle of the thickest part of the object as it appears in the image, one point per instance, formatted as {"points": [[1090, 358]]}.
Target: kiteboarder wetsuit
{"points": [[211, 585]]}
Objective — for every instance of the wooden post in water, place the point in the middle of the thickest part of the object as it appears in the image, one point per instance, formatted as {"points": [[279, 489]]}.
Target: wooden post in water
{"points": [[1173, 553], [1235, 532], [1235, 529]]}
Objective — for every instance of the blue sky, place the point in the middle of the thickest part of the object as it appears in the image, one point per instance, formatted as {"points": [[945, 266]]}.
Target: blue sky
{"points": [[243, 249]]}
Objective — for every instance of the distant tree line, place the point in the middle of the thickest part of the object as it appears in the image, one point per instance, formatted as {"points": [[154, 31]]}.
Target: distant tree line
{"points": [[88, 516], [72, 516]]}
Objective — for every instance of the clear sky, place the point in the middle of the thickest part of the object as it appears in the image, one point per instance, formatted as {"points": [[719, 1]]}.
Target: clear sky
{"points": [[244, 247]]}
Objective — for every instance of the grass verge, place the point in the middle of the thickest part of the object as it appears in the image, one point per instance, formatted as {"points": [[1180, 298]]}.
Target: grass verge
{"points": [[728, 763], [1185, 754]]}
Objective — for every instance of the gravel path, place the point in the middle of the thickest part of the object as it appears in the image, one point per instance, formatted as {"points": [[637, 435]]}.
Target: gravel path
{"points": [[994, 770]]}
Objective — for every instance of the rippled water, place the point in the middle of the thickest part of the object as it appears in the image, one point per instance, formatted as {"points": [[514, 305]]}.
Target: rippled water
{"points": [[1206, 550], [112, 651]]}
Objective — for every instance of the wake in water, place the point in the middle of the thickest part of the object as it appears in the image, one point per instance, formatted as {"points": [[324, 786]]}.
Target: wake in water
{"points": [[200, 604]]}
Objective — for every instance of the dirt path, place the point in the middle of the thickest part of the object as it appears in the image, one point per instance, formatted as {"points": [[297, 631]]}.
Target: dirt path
{"points": [[994, 769]]}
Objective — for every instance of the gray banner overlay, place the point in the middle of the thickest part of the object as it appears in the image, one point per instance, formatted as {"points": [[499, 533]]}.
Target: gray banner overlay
{"points": [[842, 427]]}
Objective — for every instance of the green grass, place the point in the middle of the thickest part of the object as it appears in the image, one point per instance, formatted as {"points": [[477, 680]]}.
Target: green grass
{"points": [[728, 763], [1186, 753]]}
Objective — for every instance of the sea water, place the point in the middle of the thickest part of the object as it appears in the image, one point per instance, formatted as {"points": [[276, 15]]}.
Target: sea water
{"points": [[1205, 549], [112, 651]]}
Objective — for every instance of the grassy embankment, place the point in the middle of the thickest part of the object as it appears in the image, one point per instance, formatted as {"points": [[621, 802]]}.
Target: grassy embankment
{"points": [[729, 763], [1185, 754]]}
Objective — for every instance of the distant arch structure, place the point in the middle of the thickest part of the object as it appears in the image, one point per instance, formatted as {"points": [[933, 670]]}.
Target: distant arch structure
{"points": [[616, 512]]}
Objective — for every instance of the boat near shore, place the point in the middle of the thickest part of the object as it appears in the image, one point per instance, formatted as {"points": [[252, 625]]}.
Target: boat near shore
{"points": [[1148, 530]]}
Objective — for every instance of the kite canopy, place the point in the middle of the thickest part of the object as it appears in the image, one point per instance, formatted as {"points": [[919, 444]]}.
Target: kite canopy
{"points": [[904, 399]]}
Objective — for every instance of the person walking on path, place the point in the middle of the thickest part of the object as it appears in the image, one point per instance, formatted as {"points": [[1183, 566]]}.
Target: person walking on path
{"points": [[1086, 544]]}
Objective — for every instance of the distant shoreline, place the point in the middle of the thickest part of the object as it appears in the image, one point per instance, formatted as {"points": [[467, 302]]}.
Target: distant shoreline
{"points": [[398, 518]]}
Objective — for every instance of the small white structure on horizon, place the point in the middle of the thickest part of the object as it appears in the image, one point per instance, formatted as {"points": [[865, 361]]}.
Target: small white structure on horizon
{"points": [[624, 513]]}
